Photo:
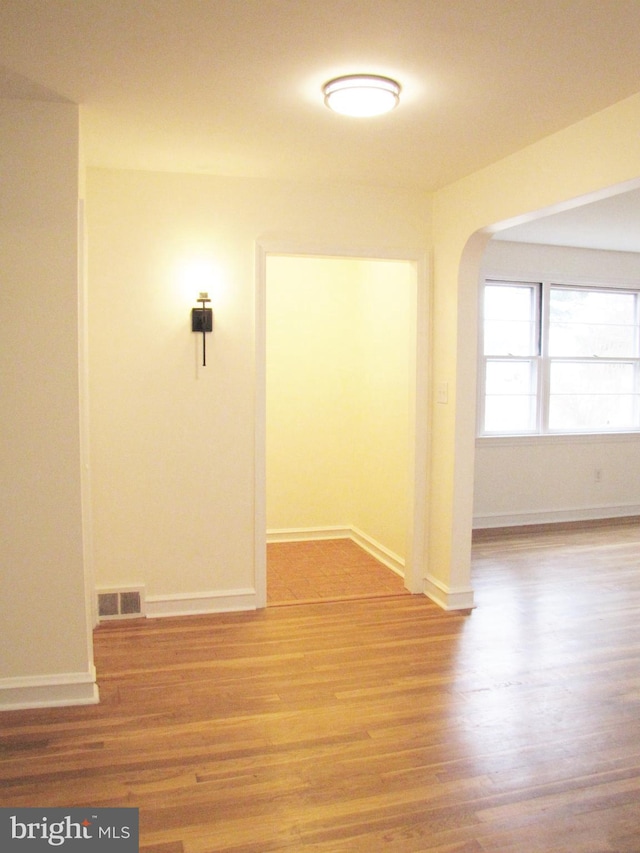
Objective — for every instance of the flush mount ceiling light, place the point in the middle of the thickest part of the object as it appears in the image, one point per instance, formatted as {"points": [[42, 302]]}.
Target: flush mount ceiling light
{"points": [[361, 95]]}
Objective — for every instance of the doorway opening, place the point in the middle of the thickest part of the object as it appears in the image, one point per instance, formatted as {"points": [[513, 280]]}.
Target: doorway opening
{"points": [[588, 242], [342, 441]]}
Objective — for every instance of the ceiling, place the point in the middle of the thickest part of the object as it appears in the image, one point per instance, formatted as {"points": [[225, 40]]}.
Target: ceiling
{"points": [[233, 87], [612, 223]]}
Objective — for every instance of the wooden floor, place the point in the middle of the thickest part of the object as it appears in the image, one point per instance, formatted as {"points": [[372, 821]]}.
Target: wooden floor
{"points": [[370, 725], [326, 570]]}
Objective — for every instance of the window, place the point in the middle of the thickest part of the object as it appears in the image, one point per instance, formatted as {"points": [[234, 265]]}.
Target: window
{"points": [[559, 358]]}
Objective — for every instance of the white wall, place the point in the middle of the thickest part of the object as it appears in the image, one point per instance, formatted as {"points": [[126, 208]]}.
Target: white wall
{"points": [[172, 443], [538, 479], [45, 641], [338, 345]]}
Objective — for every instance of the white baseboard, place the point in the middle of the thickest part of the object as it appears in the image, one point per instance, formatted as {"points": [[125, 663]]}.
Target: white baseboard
{"points": [[313, 534], [308, 534], [199, 603], [446, 597], [554, 516], [381, 554], [49, 691]]}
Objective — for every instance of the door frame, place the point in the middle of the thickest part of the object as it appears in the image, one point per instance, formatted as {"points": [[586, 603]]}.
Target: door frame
{"points": [[420, 383]]}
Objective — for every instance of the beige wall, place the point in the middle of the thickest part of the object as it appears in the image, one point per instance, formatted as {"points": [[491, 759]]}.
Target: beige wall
{"points": [[312, 385], [383, 454], [45, 644], [173, 443], [338, 349]]}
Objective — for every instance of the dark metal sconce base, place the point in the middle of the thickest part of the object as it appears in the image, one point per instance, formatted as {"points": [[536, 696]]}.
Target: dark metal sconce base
{"points": [[202, 319]]}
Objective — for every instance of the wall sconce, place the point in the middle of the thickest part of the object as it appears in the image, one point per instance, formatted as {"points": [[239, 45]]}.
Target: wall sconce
{"points": [[202, 321]]}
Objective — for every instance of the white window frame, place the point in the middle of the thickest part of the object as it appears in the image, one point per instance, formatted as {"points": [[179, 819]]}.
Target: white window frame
{"points": [[543, 359]]}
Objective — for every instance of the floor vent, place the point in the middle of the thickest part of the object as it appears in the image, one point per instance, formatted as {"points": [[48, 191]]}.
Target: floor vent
{"points": [[121, 603]]}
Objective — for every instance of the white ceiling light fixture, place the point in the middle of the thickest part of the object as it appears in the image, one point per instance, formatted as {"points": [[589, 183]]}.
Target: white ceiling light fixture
{"points": [[361, 95]]}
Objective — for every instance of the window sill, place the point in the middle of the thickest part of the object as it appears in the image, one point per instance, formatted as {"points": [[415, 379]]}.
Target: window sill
{"points": [[559, 438]]}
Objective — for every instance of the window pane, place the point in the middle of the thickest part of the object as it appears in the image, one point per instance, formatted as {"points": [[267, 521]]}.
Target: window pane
{"points": [[589, 322], [509, 319], [509, 414], [510, 401], [509, 377], [592, 396]]}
